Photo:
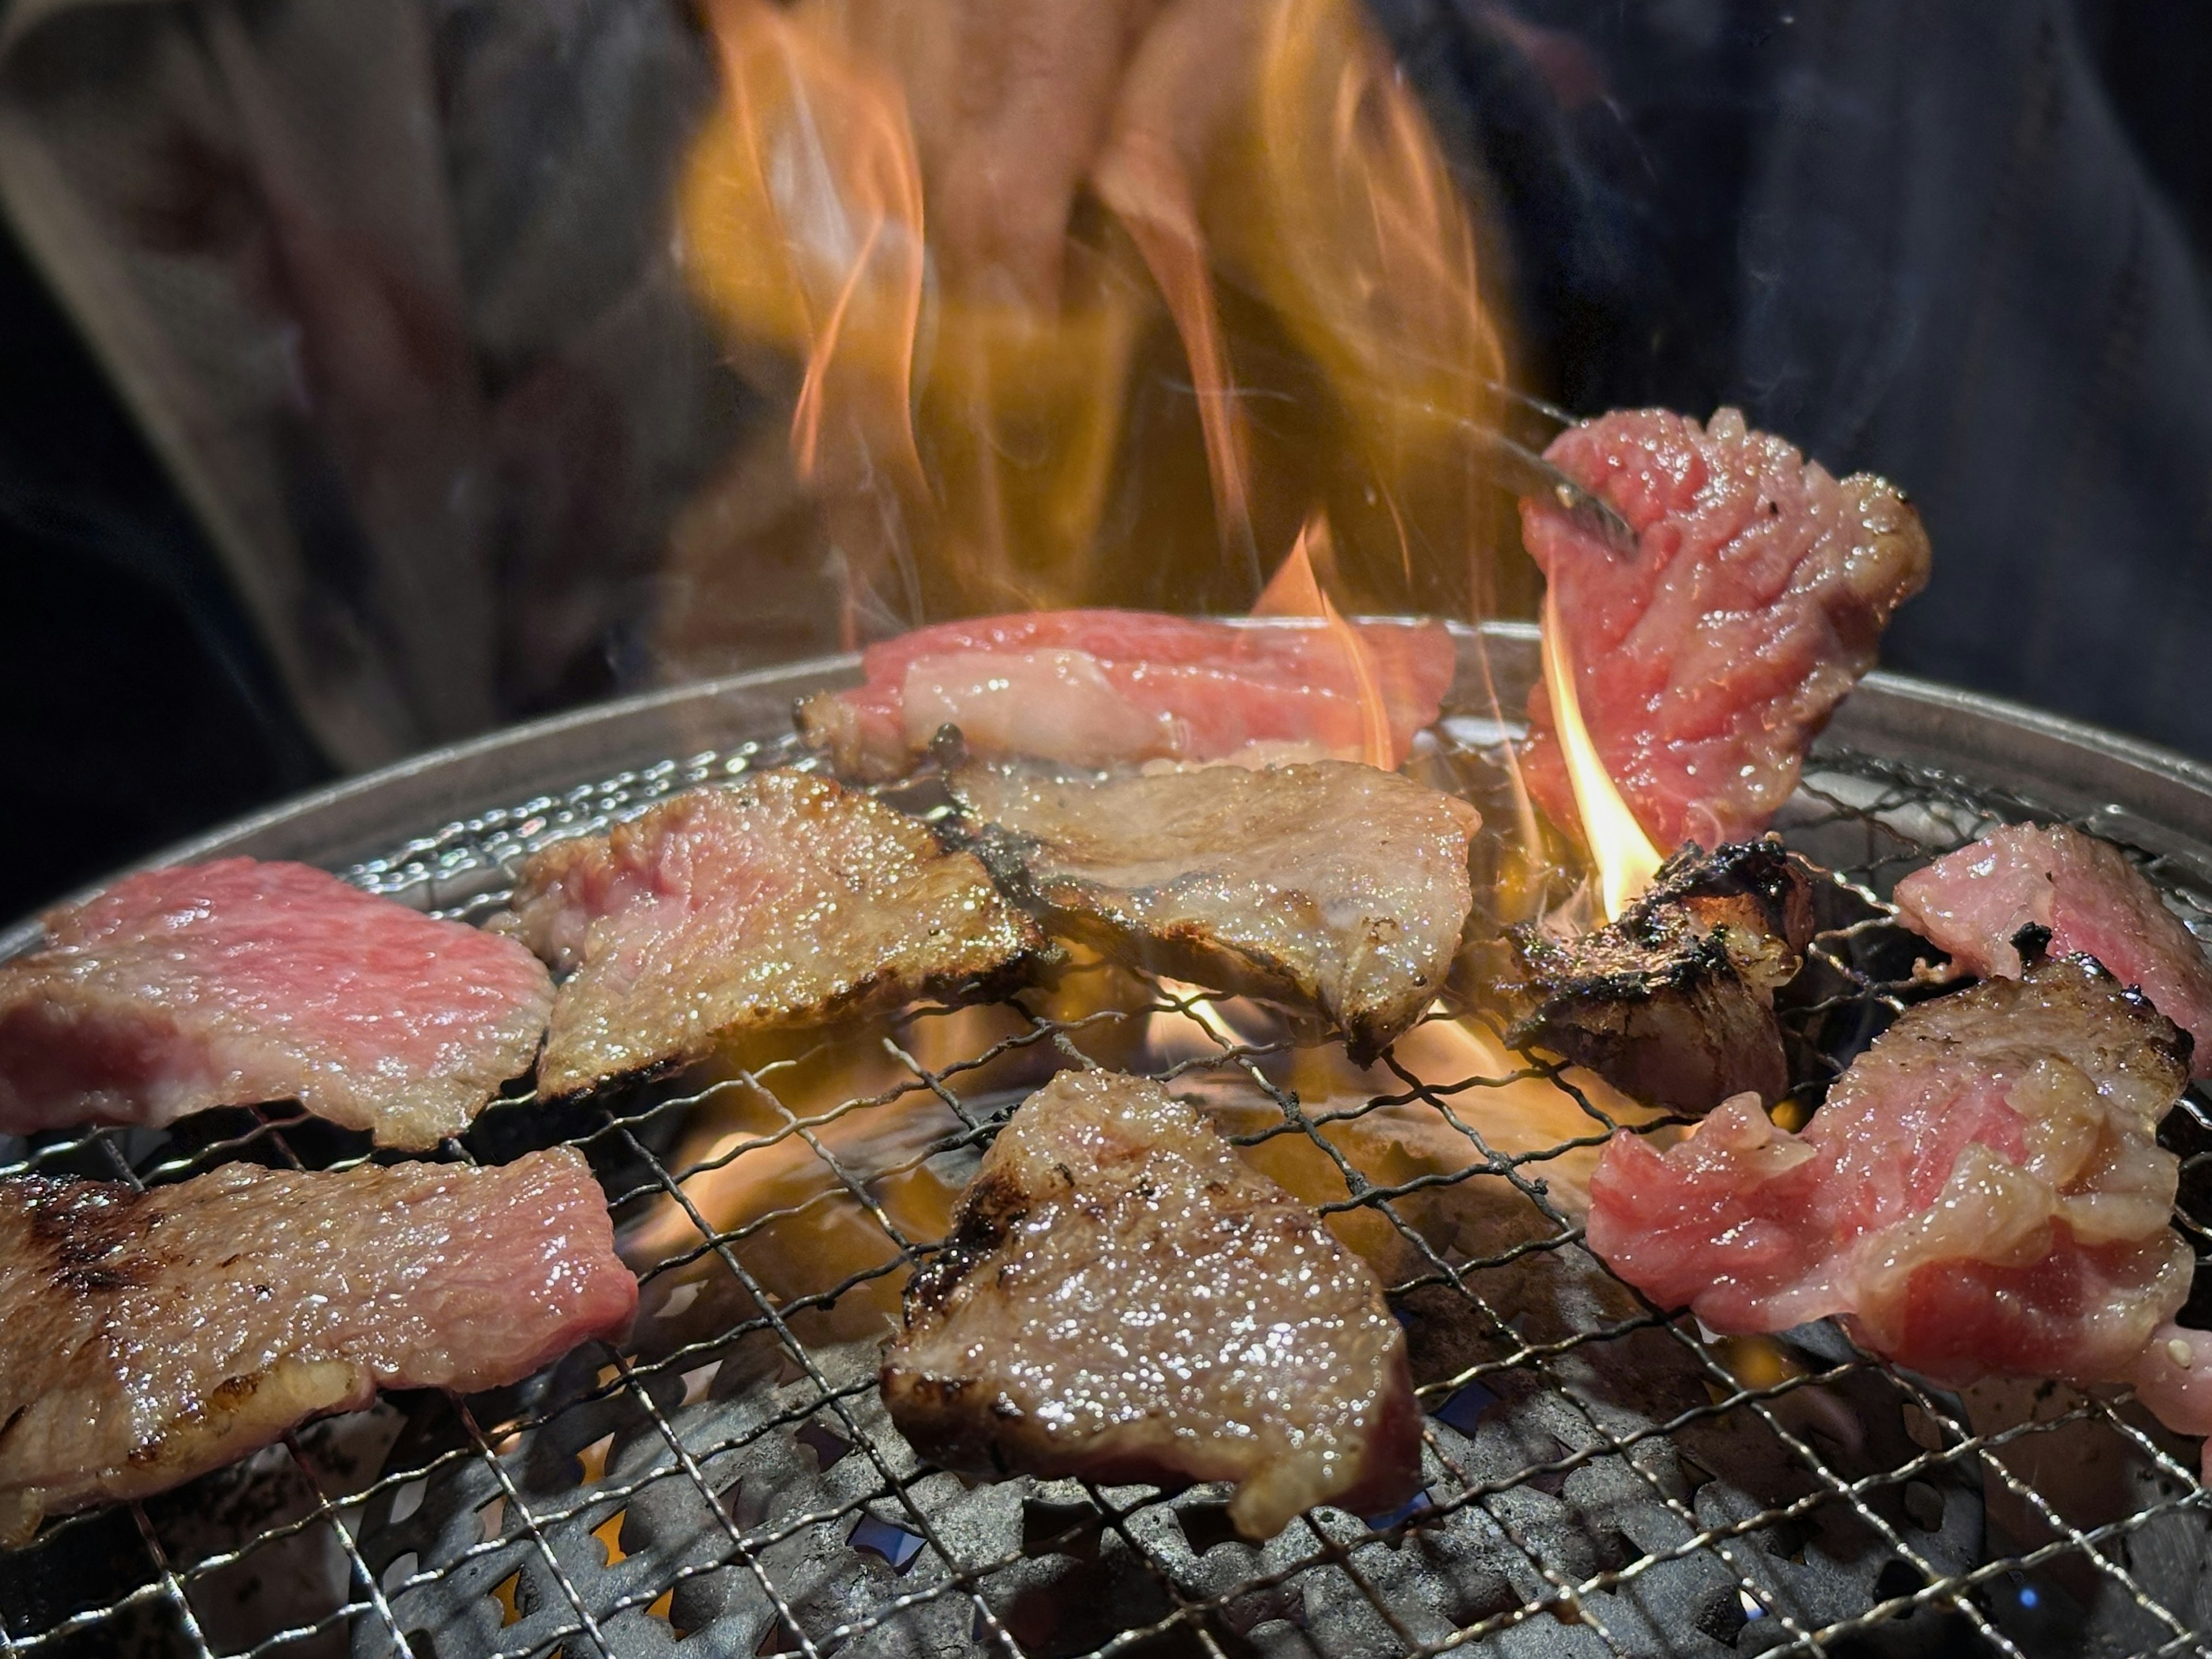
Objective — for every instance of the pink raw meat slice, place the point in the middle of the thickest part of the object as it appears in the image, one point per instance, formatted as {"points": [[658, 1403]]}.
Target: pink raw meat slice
{"points": [[2085, 894], [1095, 687], [1706, 664], [1983, 1194], [238, 981], [150, 1336]]}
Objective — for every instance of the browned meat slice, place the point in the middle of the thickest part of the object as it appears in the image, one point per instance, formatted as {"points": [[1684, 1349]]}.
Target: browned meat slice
{"points": [[235, 982], [783, 900], [2083, 896], [1124, 1300], [1706, 664], [151, 1336], [1330, 885], [1673, 1003]]}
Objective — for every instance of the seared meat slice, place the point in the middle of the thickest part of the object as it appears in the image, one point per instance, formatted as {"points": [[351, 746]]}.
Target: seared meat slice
{"points": [[2081, 895], [1982, 1194], [151, 1336], [235, 982], [1706, 664], [781, 900], [1123, 1298], [1673, 1003], [1098, 688], [1330, 885]]}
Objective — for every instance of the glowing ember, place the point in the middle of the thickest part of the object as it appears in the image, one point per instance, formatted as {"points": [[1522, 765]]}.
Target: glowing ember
{"points": [[1625, 859]]}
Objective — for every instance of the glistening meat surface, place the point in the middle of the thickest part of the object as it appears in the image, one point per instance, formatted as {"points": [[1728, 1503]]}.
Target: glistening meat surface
{"points": [[238, 981], [1096, 688], [1329, 885], [1123, 1298], [2084, 895], [1982, 1194], [151, 1336], [782, 900], [1706, 662]]}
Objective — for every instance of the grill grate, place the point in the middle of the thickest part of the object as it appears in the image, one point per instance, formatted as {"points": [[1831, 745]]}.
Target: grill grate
{"points": [[1600, 1480]]}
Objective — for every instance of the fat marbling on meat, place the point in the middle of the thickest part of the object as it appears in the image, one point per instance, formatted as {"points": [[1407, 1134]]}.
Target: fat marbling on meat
{"points": [[238, 981], [150, 1336], [2078, 895], [781, 900], [1101, 688], [1706, 662], [1982, 1194], [1123, 1298], [1329, 885]]}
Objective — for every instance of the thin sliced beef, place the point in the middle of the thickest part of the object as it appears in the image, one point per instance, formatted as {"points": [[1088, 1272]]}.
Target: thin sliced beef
{"points": [[238, 981], [1098, 688], [151, 1336], [2078, 895], [1123, 1298], [1706, 664], [1983, 1194], [779, 901], [1329, 885]]}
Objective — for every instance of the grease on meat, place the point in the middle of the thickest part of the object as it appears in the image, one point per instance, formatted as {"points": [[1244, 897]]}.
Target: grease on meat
{"points": [[1329, 885], [151, 1336], [1123, 1298], [784, 900]]}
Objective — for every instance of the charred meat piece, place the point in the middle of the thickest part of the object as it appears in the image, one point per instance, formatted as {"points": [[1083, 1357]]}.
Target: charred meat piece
{"points": [[151, 1336], [1673, 1003], [236, 982], [782, 900], [1982, 1194], [1123, 1298], [1705, 665], [1332, 885], [1099, 688], [2078, 895]]}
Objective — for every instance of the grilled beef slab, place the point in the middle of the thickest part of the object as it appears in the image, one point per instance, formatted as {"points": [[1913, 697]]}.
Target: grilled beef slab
{"points": [[1123, 1298], [238, 981], [2078, 896], [783, 900], [151, 1336], [1098, 688], [1673, 1003], [1329, 885], [1982, 1194], [1705, 665]]}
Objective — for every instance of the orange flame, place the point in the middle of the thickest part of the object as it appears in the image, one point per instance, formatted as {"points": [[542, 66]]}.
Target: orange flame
{"points": [[1265, 200], [1626, 860], [803, 207], [1295, 590]]}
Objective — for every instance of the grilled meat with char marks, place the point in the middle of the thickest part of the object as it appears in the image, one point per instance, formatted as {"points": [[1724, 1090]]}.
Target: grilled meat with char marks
{"points": [[1982, 1194], [1123, 1298], [238, 981], [2083, 896], [783, 900], [1673, 1003], [151, 1336], [1705, 665], [1331, 885]]}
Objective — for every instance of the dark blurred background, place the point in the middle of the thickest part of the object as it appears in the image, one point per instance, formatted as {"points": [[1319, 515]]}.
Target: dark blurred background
{"points": [[1963, 246]]}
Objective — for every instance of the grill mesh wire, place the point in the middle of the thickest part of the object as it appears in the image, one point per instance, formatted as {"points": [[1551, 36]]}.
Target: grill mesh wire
{"points": [[147, 1572]]}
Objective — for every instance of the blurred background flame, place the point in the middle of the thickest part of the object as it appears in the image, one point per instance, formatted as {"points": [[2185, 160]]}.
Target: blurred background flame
{"points": [[1249, 294]]}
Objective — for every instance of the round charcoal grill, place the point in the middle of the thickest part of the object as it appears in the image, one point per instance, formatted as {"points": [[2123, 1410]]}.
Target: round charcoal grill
{"points": [[1600, 1480]]}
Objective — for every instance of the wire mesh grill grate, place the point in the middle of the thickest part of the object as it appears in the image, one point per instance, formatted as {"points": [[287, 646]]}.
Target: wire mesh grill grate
{"points": [[1599, 1479]]}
